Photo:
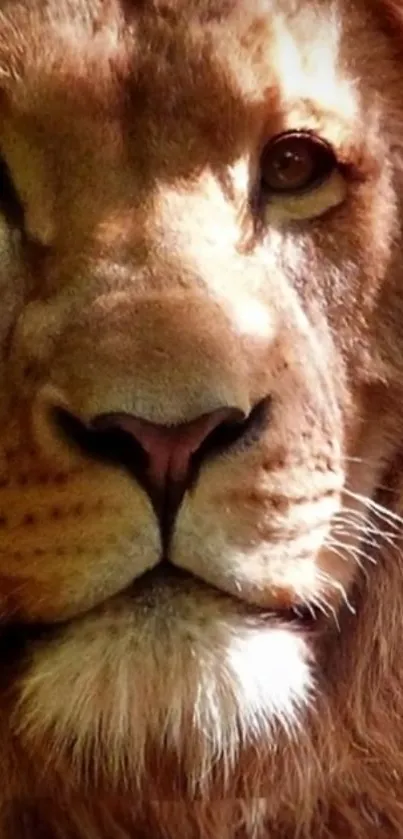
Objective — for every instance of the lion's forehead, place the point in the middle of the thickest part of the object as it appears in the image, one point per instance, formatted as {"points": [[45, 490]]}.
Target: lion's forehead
{"points": [[126, 58]]}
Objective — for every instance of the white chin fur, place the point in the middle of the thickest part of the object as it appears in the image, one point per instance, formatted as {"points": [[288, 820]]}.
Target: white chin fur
{"points": [[193, 674]]}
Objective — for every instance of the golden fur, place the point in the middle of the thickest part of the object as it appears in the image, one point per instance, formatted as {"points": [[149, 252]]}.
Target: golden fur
{"points": [[145, 278]]}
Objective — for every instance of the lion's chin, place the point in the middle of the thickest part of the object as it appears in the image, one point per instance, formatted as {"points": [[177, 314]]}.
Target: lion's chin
{"points": [[183, 670]]}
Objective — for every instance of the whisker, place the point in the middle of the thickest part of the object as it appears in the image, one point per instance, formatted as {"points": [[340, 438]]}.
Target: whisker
{"points": [[339, 547], [326, 609], [377, 509], [360, 523], [368, 535], [335, 584]]}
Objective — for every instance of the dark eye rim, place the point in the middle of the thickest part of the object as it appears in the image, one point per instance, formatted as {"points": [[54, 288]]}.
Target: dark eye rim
{"points": [[10, 204], [327, 161]]}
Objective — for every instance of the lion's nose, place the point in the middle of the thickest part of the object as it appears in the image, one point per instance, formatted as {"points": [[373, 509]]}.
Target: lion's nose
{"points": [[170, 450]]}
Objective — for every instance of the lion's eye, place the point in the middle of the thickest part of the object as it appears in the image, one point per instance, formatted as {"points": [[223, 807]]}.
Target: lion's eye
{"points": [[10, 204], [295, 162]]}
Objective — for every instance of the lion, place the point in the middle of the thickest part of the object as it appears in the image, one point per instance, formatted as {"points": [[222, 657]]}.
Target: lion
{"points": [[201, 377]]}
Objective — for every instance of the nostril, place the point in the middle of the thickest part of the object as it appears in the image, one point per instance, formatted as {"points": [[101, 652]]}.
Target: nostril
{"points": [[169, 449], [166, 460]]}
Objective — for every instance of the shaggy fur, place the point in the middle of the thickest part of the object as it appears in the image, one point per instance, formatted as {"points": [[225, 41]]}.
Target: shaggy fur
{"points": [[145, 269]]}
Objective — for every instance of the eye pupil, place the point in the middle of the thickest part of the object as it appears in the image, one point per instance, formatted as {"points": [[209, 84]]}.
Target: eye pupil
{"points": [[291, 165], [295, 162]]}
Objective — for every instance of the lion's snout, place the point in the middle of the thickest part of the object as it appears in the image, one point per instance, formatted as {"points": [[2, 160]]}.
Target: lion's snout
{"points": [[167, 360]]}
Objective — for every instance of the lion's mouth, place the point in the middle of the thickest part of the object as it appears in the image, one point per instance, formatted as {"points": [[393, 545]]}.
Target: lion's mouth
{"points": [[118, 448], [148, 593], [166, 577]]}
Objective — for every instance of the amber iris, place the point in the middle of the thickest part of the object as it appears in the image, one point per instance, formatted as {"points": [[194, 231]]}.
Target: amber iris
{"points": [[295, 162]]}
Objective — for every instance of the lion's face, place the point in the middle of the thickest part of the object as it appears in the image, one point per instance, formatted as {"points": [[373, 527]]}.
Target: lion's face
{"points": [[198, 269]]}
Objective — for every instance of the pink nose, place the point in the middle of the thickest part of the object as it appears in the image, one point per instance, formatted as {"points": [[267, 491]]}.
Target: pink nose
{"points": [[169, 449]]}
